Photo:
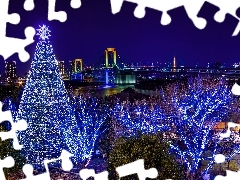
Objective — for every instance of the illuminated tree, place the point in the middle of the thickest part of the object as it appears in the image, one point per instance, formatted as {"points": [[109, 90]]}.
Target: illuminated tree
{"points": [[91, 117], [114, 131], [187, 114], [195, 113], [45, 106], [144, 117]]}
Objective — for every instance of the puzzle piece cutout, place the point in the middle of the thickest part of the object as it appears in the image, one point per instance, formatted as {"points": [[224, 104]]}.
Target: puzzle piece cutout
{"points": [[192, 9], [52, 14], [230, 7], [29, 5], [87, 173], [228, 132], [9, 45], [137, 167], [236, 89], [8, 162], [66, 165], [18, 126], [75, 4], [220, 158], [231, 175]]}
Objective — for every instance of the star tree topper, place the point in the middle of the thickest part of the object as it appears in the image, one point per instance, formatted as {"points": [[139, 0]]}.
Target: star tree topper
{"points": [[43, 32]]}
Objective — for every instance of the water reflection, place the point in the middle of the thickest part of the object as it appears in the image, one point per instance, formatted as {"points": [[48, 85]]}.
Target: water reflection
{"points": [[107, 90]]}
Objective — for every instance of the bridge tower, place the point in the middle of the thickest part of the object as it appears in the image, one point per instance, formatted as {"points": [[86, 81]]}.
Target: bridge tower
{"points": [[77, 65], [77, 69], [111, 50], [110, 53]]}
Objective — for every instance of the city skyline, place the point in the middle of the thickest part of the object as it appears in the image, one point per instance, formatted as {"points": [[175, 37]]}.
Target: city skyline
{"points": [[91, 29]]}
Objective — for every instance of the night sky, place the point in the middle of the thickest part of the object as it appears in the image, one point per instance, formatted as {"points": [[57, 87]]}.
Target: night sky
{"points": [[92, 28]]}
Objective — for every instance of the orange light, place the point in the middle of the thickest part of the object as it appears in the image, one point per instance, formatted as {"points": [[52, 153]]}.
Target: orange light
{"points": [[20, 83]]}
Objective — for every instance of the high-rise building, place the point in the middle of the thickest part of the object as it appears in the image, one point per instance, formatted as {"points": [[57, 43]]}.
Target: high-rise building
{"points": [[71, 68], [10, 70], [61, 67]]}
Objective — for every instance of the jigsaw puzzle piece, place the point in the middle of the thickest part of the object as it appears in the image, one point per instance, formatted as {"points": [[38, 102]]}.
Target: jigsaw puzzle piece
{"points": [[228, 132], [116, 5], [5, 17], [4, 115], [219, 158], [61, 15], [29, 5], [28, 171], [18, 126], [13, 45], [53, 15], [237, 30], [8, 162], [137, 167], [161, 5], [227, 8], [236, 89], [192, 8], [87, 173], [164, 6], [75, 4], [66, 165], [230, 175]]}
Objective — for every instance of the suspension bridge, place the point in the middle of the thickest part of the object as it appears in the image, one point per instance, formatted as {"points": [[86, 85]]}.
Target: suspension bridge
{"points": [[111, 69]]}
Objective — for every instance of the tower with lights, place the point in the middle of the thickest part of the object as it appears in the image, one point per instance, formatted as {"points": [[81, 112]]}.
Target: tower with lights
{"points": [[174, 64]]}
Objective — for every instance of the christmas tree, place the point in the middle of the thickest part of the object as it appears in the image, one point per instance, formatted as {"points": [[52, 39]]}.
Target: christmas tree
{"points": [[45, 106]]}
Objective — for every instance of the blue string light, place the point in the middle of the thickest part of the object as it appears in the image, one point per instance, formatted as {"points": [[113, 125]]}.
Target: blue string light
{"points": [[140, 118], [46, 107], [91, 116], [189, 115], [201, 108]]}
